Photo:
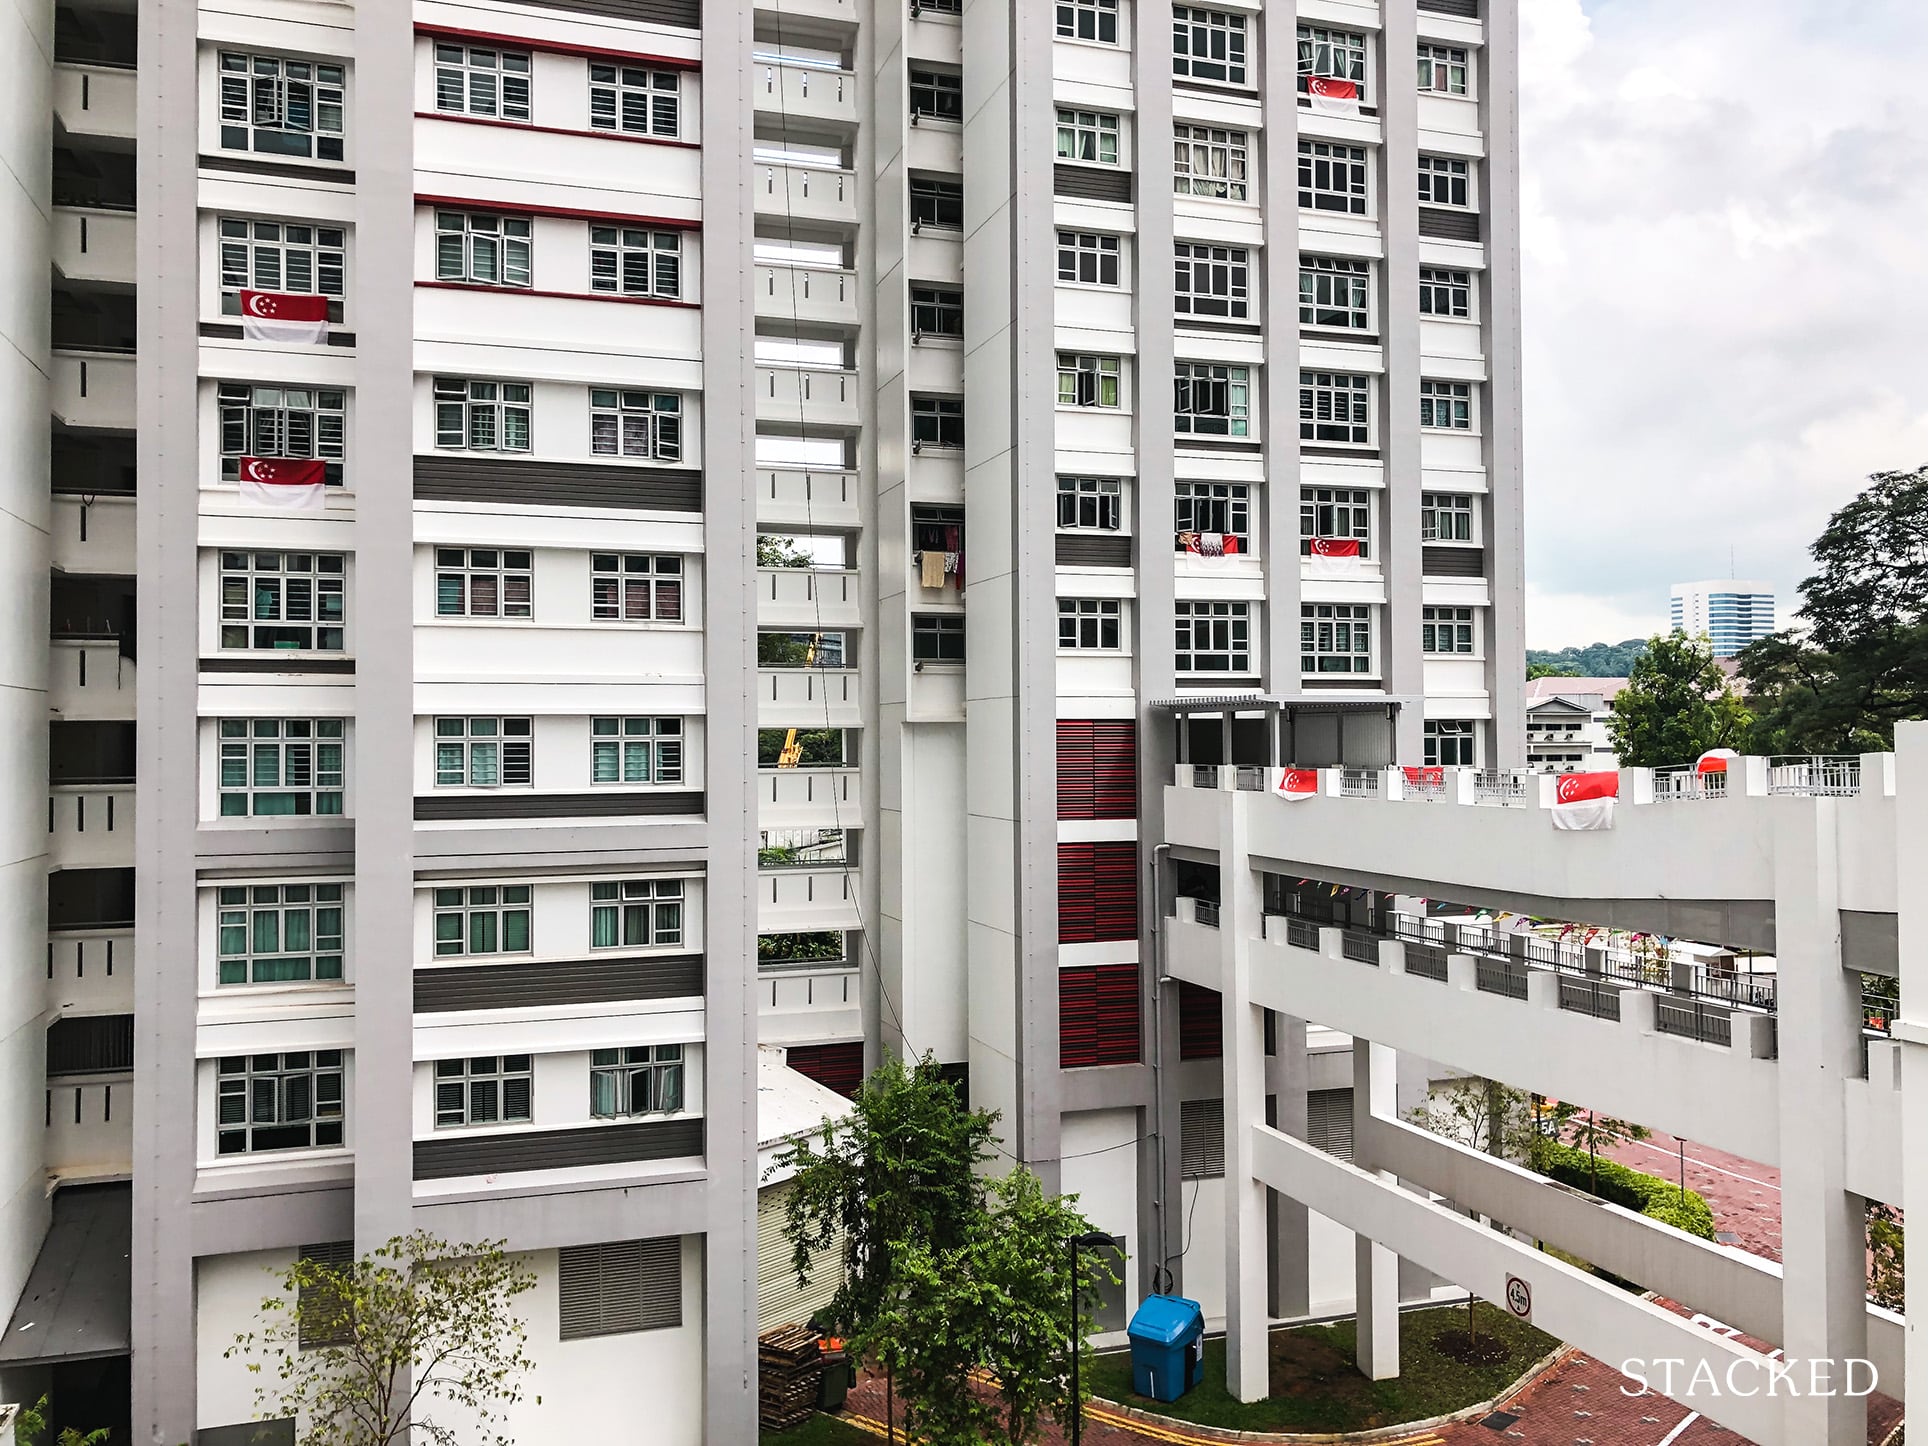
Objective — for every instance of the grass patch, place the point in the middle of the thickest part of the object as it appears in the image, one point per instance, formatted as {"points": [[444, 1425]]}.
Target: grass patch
{"points": [[1315, 1386], [819, 1430]]}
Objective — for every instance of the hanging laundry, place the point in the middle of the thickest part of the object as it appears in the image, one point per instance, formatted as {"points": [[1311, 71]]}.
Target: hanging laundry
{"points": [[930, 568]]}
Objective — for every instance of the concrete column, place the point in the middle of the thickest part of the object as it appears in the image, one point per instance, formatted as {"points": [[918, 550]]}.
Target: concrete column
{"points": [[1375, 1080], [1279, 306], [1824, 1260], [1911, 1029], [1247, 1372], [1289, 1223]]}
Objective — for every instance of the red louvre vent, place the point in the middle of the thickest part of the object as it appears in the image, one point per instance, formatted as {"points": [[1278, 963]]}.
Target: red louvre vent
{"points": [[1201, 1024], [1098, 1015], [834, 1066], [1097, 892], [1097, 769]]}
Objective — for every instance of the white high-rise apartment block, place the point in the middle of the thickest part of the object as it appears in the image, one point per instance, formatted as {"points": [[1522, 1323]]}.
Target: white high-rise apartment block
{"points": [[1729, 612], [738, 610]]}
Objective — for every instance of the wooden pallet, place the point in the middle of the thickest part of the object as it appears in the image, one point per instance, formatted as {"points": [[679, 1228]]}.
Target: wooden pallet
{"points": [[789, 1377]]}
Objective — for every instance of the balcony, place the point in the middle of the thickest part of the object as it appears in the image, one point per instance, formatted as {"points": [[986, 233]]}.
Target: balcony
{"points": [[808, 698], [806, 193], [806, 396], [94, 390], [845, 11], [94, 100], [808, 1003], [804, 92], [90, 1128], [91, 825], [93, 970], [800, 900], [806, 293], [808, 498], [89, 680], [93, 536], [812, 598], [94, 245], [807, 797]]}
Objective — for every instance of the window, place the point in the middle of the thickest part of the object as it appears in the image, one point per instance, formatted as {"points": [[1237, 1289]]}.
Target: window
{"points": [[1446, 517], [472, 80], [618, 1286], [278, 1101], [1335, 638], [1449, 743], [1089, 624], [1333, 407], [1442, 69], [1208, 44], [1097, 893], [275, 767], [1446, 630], [278, 933], [1087, 381], [281, 107], [482, 416], [484, 250], [634, 100], [490, 1089], [1201, 1133], [483, 582], [484, 752], [488, 919], [635, 913], [1333, 292], [1097, 1013], [1447, 405], [1340, 54], [283, 600], [635, 1081], [937, 94], [1211, 400], [1088, 20], [1332, 177], [1097, 769], [299, 422], [1335, 512], [1442, 182], [1214, 637], [1209, 161], [1445, 293], [936, 422], [936, 203], [635, 587], [1211, 281], [1087, 135], [1328, 1121], [1221, 507], [936, 311], [282, 256], [1087, 258], [636, 424], [936, 638], [631, 261], [635, 750], [1090, 502]]}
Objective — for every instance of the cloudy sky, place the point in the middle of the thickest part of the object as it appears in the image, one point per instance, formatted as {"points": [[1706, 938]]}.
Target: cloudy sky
{"points": [[1726, 252]]}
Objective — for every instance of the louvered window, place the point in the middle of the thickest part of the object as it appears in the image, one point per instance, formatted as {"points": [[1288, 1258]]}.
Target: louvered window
{"points": [[619, 1286], [839, 1067], [1328, 1120], [1097, 769], [1098, 1015], [1097, 892], [321, 1313], [1201, 1022], [1201, 1139]]}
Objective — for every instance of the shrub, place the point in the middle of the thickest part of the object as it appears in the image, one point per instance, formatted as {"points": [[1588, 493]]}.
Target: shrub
{"points": [[1633, 1189]]}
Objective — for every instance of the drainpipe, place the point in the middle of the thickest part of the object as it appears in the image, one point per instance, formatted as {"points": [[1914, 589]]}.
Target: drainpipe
{"points": [[1158, 1046]]}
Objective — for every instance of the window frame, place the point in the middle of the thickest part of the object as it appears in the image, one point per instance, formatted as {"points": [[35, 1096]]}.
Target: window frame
{"points": [[511, 579], [239, 109], [1433, 59], [1347, 56], [464, 238], [1087, 374], [1225, 32], [1099, 619], [641, 913], [1446, 405], [1464, 731], [489, 413], [620, 581], [1457, 176], [1448, 631], [1095, 252], [937, 638], [326, 584], [659, 743], [1105, 496], [640, 261], [637, 423], [1221, 507], [945, 414], [614, 89], [924, 194], [1321, 392], [1186, 379], [658, 1068], [1452, 285], [1335, 177], [1234, 183], [320, 1117], [508, 741], [325, 765], [1102, 14], [1346, 511], [1212, 619], [1354, 273], [1461, 507], [461, 1084], [1323, 626], [507, 71], [241, 908], [1215, 261], [483, 916], [942, 304], [240, 248], [265, 419], [932, 84], [1095, 131]]}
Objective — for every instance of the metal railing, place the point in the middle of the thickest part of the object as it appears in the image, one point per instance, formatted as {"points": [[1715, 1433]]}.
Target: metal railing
{"points": [[1428, 961], [1685, 782], [1205, 911], [1360, 948], [1590, 997], [1500, 976], [1301, 934], [1818, 775], [1425, 784], [1694, 1019], [1251, 778], [1361, 783], [1506, 787]]}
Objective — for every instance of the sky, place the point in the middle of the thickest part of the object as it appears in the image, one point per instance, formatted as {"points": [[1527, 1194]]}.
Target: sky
{"points": [[1725, 238]]}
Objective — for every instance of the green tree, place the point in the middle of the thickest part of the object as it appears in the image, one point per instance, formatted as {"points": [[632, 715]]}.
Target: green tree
{"points": [[1485, 1115], [1586, 1130], [1551, 670], [1677, 704], [775, 550], [364, 1352], [1887, 1259], [809, 944], [1595, 660], [30, 1429]]}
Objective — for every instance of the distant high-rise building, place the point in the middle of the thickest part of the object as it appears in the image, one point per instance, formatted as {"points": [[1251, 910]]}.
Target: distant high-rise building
{"points": [[1732, 612]]}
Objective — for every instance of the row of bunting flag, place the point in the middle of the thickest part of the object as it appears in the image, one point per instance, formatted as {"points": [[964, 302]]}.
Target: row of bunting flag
{"points": [[1580, 800]]}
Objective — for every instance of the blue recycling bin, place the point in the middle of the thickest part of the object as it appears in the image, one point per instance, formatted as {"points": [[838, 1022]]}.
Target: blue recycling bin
{"points": [[1167, 1335]]}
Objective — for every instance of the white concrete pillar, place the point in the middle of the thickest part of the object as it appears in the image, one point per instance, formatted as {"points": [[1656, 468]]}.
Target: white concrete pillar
{"points": [[1824, 1259], [1375, 1082], [1290, 1223], [1911, 1028], [1241, 908]]}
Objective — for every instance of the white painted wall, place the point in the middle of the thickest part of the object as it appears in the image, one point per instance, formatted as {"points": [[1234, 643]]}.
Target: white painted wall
{"points": [[1100, 1167]]}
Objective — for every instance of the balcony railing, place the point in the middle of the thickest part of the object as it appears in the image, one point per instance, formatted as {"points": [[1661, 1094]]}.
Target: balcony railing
{"points": [[1694, 1019], [805, 91], [1500, 976], [1816, 776], [1428, 961], [1506, 787], [1590, 997], [1360, 948], [1361, 782]]}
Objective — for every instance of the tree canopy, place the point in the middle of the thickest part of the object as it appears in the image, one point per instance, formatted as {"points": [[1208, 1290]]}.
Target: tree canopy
{"points": [[1595, 660], [1677, 704]]}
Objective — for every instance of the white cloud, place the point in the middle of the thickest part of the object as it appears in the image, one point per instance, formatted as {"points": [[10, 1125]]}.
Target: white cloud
{"points": [[1723, 310]]}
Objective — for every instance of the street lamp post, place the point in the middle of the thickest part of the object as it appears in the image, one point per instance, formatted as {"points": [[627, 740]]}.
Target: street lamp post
{"points": [[1090, 1240]]}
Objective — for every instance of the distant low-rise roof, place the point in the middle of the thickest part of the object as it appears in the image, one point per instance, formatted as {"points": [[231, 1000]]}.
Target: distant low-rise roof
{"points": [[1538, 689]]}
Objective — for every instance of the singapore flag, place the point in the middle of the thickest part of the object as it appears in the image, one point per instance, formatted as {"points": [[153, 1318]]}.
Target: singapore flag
{"points": [[1585, 800], [1297, 783], [282, 316], [1334, 557], [287, 484], [1332, 95]]}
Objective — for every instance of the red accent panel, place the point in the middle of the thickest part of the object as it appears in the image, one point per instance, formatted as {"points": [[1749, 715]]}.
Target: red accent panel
{"points": [[556, 47], [834, 1066], [1097, 769], [523, 208], [1097, 1015], [1097, 892], [564, 295], [1201, 1022], [485, 120]]}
